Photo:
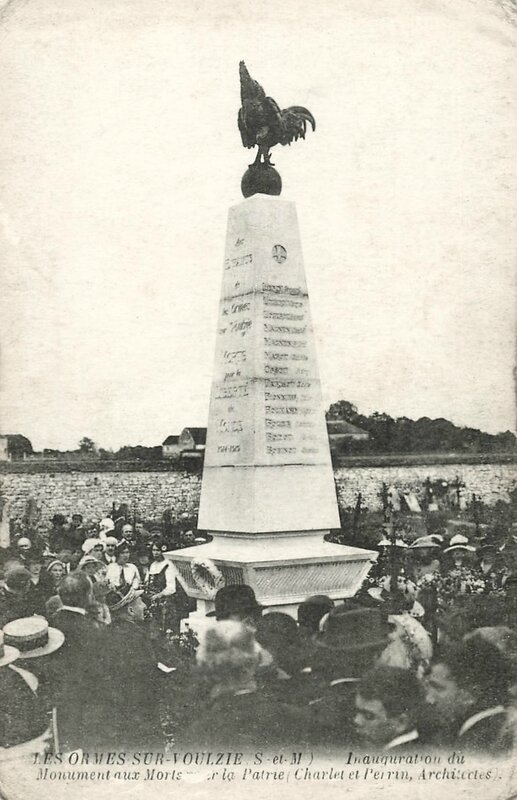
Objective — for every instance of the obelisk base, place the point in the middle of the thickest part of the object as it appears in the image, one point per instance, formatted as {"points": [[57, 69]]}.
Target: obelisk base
{"points": [[282, 568]]}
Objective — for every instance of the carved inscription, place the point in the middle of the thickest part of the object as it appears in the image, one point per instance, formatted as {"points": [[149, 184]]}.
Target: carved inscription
{"points": [[288, 383], [229, 426], [280, 288], [228, 448], [275, 370], [242, 326], [290, 433], [283, 342], [284, 398], [275, 451], [278, 423], [283, 329], [234, 356], [240, 261], [286, 343], [289, 410], [284, 315], [228, 392], [282, 302], [237, 308]]}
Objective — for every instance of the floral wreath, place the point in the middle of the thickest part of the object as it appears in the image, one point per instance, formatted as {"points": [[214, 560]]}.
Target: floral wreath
{"points": [[207, 577]]}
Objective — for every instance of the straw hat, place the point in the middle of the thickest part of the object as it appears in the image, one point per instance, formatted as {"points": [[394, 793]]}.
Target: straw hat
{"points": [[116, 599], [425, 542], [33, 637], [7, 654], [459, 542]]}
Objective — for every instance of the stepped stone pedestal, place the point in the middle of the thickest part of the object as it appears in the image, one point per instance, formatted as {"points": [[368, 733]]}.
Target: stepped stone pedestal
{"points": [[267, 494]]}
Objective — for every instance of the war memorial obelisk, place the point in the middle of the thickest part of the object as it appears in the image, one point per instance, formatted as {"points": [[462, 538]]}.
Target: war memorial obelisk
{"points": [[267, 494]]}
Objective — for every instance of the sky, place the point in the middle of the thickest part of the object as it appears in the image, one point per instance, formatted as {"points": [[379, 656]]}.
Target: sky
{"points": [[119, 158]]}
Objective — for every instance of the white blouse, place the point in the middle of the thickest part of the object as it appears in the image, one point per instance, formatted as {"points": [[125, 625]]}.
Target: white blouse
{"points": [[117, 575]]}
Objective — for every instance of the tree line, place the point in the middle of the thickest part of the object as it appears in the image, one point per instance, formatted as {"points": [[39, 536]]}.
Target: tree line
{"points": [[404, 435]]}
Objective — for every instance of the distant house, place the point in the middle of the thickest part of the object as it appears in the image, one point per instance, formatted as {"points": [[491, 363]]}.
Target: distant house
{"points": [[14, 447], [340, 431], [171, 447], [192, 439]]}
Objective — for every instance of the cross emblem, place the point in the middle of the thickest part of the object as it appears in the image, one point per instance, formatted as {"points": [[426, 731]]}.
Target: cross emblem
{"points": [[279, 253]]}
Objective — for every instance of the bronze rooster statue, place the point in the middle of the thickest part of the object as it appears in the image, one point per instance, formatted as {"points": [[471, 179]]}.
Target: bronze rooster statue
{"points": [[262, 122]]}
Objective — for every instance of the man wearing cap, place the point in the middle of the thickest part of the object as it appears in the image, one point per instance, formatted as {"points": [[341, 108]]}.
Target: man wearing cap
{"points": [[17, 596], [131, 684], [351, 640], [20, 551], [23, 549]]}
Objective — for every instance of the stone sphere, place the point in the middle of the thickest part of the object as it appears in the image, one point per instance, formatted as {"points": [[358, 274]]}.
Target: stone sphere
{"points": [[261, 179]]}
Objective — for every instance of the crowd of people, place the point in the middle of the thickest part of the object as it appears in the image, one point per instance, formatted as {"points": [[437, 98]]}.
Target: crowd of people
{"points": [[95, 651]]}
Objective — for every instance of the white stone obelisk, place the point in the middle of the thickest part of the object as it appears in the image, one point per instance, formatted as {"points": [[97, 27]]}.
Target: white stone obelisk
{"points": [[268, 494]]}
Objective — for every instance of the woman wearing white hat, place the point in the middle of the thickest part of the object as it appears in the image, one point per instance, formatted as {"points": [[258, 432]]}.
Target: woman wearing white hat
{"points": [[460, 551], [93, 547]]}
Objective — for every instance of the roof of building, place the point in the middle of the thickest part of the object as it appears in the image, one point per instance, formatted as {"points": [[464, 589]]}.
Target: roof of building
{"points": [[198, 434], [19, 442], [344, 428], [171, 440]]}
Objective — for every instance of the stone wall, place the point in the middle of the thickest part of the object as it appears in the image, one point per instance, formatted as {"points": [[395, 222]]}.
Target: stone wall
{"points": [[93, 493], [489, 482]]}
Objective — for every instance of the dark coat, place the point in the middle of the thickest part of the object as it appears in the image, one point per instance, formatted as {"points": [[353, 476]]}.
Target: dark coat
{"points": [[129, 688], [244, 722], [486, 736], [75, 675], [78, 630], [22, 717], [333, 714], [14, 606]]}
